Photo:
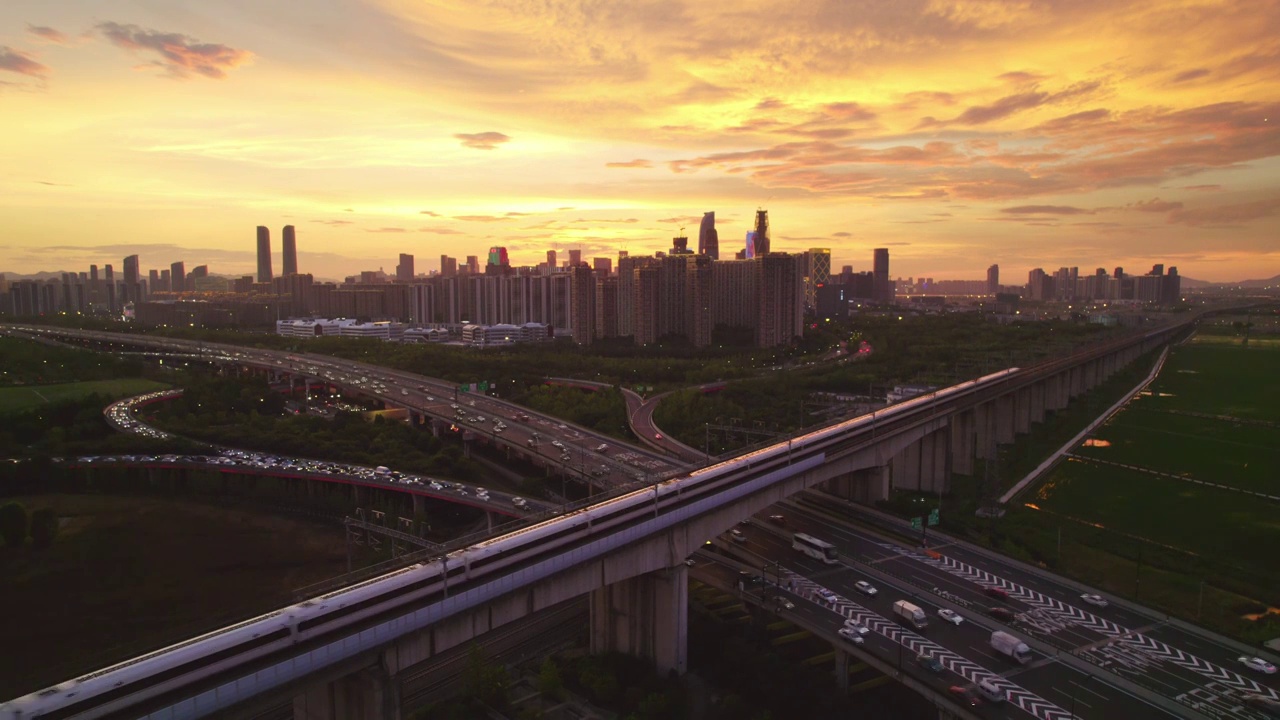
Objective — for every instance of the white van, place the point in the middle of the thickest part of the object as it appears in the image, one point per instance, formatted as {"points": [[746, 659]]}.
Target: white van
{"points": [[988, 690]]}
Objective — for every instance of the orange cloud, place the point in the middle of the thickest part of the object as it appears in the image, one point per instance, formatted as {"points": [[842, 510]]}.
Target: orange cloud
{"points": [[19, 62], [482, 141], [179, 55], [48, 34], [637, 163]]}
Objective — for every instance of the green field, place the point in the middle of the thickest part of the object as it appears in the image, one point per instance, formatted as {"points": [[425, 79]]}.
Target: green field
{"points": [[20, 399], [1162, 540]]}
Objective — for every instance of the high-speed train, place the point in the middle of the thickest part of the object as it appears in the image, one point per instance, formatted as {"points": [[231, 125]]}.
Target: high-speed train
{"points": [[415, 596]]}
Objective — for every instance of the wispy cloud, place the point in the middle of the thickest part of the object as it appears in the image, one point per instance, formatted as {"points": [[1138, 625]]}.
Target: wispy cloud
{"points": [[482, 218], [1045, 210], [386, 230], [178, 56], [48, 34], [333, 222], [637, 163], [19, 62], [1155, 205], [1227, 215], [482, 141]]}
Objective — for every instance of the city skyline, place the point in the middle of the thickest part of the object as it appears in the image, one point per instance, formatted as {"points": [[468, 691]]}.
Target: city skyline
{"points": [[956, 134]]}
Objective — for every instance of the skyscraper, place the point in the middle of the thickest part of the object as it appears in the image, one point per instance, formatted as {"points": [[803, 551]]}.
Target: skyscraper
{"points": [[575, 257], [583, 302], [551, 259], [749, 251], [289, 247], [131, 270], [448, 266], [881, 290], [993, 279], [264, 254], [708, 238], [762, 233], [178, 276], [404, 271], [819, 274]]}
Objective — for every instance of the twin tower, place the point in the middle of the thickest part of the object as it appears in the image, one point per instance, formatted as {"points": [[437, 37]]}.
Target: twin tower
{"points": [[290, 263]]}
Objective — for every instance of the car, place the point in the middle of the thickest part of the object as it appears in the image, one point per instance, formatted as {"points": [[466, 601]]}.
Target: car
{"points": [[851, 636], [999, 613], [482, 493], [997, 592], [690, 562], [965, 696], [827, 596], [786, 604], [657, 436], [866, 588], [857, 626], [777, 520], [601, 447], [1095, 600], [737, 536], [950, 616], [519, 502], [1257, 663], [929, 662]]}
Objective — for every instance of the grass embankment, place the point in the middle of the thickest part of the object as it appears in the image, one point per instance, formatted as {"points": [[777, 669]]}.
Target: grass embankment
{"points": [[1157, 538], [20, 399], [128, 574]]}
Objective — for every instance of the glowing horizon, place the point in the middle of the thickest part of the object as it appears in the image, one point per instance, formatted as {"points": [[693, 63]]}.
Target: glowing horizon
{"points": [[957, 133]]}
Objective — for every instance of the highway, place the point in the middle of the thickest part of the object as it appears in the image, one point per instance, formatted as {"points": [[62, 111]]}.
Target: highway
{"points": [[1192, 669], [620, 464]]}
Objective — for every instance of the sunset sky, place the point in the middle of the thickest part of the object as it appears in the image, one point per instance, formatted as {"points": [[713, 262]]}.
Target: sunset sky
{"points": [[956, 133]]}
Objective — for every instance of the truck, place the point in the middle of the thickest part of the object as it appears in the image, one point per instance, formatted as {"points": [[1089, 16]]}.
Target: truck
{"points": [[1011, 647], [911, 614]]}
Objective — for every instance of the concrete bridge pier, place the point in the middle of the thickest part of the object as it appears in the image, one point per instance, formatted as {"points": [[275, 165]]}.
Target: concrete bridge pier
{"points": [[1022, 412], [962, 436], [419, 505], [1004, 420], [866, 486], [646, 616], [841, 668], [922, 465], [372, 693]]}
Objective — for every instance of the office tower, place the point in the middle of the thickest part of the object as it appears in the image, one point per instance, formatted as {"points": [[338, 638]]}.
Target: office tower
{"points": [[289, 248], [749, 251], [602, 266], [680, 246], [819, 274], [708, 238], [575, 258], [551, 259], [264, 254], [882, 291], [1172, 287], [473, 264], [178, 276], [781, 303], [109, 280], [131, 276], [763, 244], [404, 271], [1157, 269], [166, 280], [448, 266], [153, 280], [199, 271], [583, 301], [993, 279]]}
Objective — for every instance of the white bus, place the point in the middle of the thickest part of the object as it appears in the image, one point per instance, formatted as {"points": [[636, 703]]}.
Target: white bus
{"points": [[815, 548]]}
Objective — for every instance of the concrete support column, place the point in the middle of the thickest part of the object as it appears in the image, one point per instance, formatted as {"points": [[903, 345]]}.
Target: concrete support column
{"points": [[369, 694], [488, 518], [960, 427], [906, 467], [645, 616], [984, 428], [1036, 397], [842, 668], [933, 462], [864, 486], [1004, 419], [419, 504], [358, 494], [1022, 411]]}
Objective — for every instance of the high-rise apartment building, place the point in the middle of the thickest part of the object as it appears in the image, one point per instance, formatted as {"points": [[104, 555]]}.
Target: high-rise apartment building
{"points": [[993, 279], [647, 296], [602, 266], [575, 258], [473, 264], [583, 302], [404, 271], [551, 259], [736, 295], [289, 248], [131, 275], [448, 266], [781, 300], [708, 238], [264, 254]]}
